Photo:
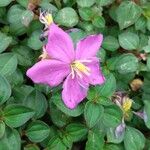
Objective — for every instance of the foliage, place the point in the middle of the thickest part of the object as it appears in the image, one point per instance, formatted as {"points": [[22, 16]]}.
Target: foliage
{"points": [[33, 116]]}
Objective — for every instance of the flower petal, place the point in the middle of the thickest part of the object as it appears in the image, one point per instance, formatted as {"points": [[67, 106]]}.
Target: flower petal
{"points": [[89, 46], [60, 45], [74, 91], [96, 76], [50, 72]]}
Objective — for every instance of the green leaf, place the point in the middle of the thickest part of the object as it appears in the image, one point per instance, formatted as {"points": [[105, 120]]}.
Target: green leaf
{"points": [[31, 147], [16, 78], [87, 26], [58, 117], [112, 12], [113, 147], [34, 40], [2, 129], [37, 102], [67, 140], [127, 63], [95, 110], [14, 17], [5, 90], [5, 41], [46, 5], [95, 141], [8, 63], [147, 113], [17, 29], [14, 14], [98, 22], [43, 88], [133, 139], [108, 88], [127, 14], [67, 17], [4, 3], [95, 96], [11, 140], [105, 2], [123, 80], [116, 135], [111, 63], [85, 3], [77, 35], [55, 144], [102, 93], [59, 103], [37, 131], [21, 92], [23, 3], [24, 55], [146, 48], [101, 54], [148, 63], [2, 12], [129, 41], [17, 115], [148, 24], [76, 131], [140, 24], [27, 17], [35, 25], [86, 13], [146, 10], [146, 85], [110, 43], [112, 116]]}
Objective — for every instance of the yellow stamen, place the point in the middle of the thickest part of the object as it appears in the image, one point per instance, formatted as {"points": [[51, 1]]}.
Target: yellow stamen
{"points": [[127, 105], [79, 68], [46, 18], [44, 54], [49, 18]]}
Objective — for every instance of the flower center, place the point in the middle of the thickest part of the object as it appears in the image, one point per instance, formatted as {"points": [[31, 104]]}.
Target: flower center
{"points": [[49, 19], [127, 104], [46, 18], [79, 68]]}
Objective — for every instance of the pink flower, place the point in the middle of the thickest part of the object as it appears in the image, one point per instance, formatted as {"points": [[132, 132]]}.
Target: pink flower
{"points": [[79, 67]]}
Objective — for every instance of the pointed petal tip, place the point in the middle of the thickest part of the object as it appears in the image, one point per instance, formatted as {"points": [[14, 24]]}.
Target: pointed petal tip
{"points": [[103, 80], [100, 38], [73, 93], [30, 75], [28, 72], [89, 46], [71, 106], [40, 72]]}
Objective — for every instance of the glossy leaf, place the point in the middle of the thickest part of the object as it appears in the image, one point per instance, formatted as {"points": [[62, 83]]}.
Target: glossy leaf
{"points": [[93, 113], [127, 14], [37, 131], [17, 115], [5, 89], [134, 139], [8, 63]]}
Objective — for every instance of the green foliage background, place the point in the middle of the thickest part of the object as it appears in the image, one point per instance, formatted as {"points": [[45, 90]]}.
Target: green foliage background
{"points": [[33, 117]]}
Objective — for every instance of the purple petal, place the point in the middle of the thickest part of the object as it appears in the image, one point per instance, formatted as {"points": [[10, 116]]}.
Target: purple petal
{"points": [[96, 76], [142, 115], [89, 46], [74, 91], [51, 72], [60, 45], [120, 130]]}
